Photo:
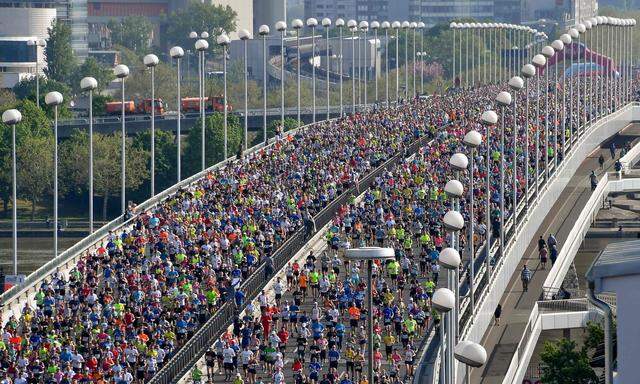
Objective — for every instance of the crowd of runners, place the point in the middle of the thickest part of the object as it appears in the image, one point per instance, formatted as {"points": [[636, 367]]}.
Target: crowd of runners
{"points": [[128, 306]]}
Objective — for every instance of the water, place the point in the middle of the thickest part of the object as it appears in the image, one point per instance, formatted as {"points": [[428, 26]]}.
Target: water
{"points": [[32, 252]]}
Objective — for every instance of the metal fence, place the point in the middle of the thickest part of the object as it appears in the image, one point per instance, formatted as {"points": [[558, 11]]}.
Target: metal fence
{"points": [[190, 353]]}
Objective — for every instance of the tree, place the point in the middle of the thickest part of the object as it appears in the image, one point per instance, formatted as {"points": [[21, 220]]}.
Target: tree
{"points": [[562, 363], [289, 124], [133, 32], [165, 153], [91, 67], [198, 16], [34, 124], [26, 89], [214, 136], [75, 157], [61, 62], [34, 169]]}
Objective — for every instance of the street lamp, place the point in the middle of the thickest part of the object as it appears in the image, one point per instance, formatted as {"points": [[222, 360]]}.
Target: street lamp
{"points": [[539, 61], [54, 99], [504, 100], [340, 25], [244, 35], [473, 355], [581, 30], [121, 71], [369, 254], [281, 27], [201, 46], [516, 84], [443, 301], [326, 23], [528, 71], [150, 61], [193, 35], [297, 24], [223, 41], [488, 119], [313, 23], [421, 26], [177, 53], [558, 46], [396, 25], [566, 41], [264, 32], [12, 117], [406, 25], [353, 26], [37, 43], [364, 27], [472, 140], [88, 84], [547, 52], [385, 26], [375, 26], [453, 26], [413, 25]]}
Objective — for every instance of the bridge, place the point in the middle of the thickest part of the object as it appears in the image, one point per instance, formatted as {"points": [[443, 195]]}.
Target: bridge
{"points": [[307, 191]]}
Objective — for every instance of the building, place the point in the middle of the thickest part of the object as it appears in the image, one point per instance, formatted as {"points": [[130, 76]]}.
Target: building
{"points": [[268, 12], [244, 9], [562, 12], [433, 12], [19, 23], [332, 9], [508, 11]]}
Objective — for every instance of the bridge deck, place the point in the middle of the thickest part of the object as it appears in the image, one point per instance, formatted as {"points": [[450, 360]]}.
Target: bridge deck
{"points": [[501, 341]]}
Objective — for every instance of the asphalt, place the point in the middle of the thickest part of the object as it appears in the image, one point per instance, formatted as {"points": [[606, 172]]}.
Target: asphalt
{"points": [[501, 341]]}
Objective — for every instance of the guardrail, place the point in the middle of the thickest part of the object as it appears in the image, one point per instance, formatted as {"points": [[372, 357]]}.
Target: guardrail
{"points": [[547, 315], [529, 220], [13, 299], [189, 354], [574, 239]]}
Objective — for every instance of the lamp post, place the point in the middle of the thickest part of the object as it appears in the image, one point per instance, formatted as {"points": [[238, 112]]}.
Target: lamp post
{"points": [[364, 27], [453, 26], [406, 25], [489, 119], [547, 52], [385, 26], [455, 190], [201, 46], [177, 53], [443, 301], [516, 84], [193, 35], [340, 25], [421, 27], [244, 35], [297, 24], [150, 61], [566, 41], [313, 23], [281, 27], [396, 26], [587, 67], [558, 46], [223, 41], [353, 26], [54, 99], [121, 72], [528, 71], [472, 355], [375, 26], [472, 140], [12, 117], [370, 254], [539, 61], [413, 25], [37, 43], [88, 84], [504, 100], [573, 33], [326, 23], [581, 93], [264, 32]]}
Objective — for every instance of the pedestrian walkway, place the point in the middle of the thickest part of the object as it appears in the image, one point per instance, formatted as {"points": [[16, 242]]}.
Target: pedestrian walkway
{"points": [[501, 341]]}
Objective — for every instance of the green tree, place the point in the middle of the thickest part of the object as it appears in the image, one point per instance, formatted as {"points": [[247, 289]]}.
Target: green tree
{"points": [[34, 169], [26, 89], [562, 363], [75, 159], [34, 124], [61, 62], [289, 124], [214, 136], [197, 16], [165, 154], [91, 67], [133, 32]]}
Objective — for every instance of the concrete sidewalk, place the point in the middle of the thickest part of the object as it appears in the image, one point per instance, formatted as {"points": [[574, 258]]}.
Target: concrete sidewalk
{"points": [[501, 341]]}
